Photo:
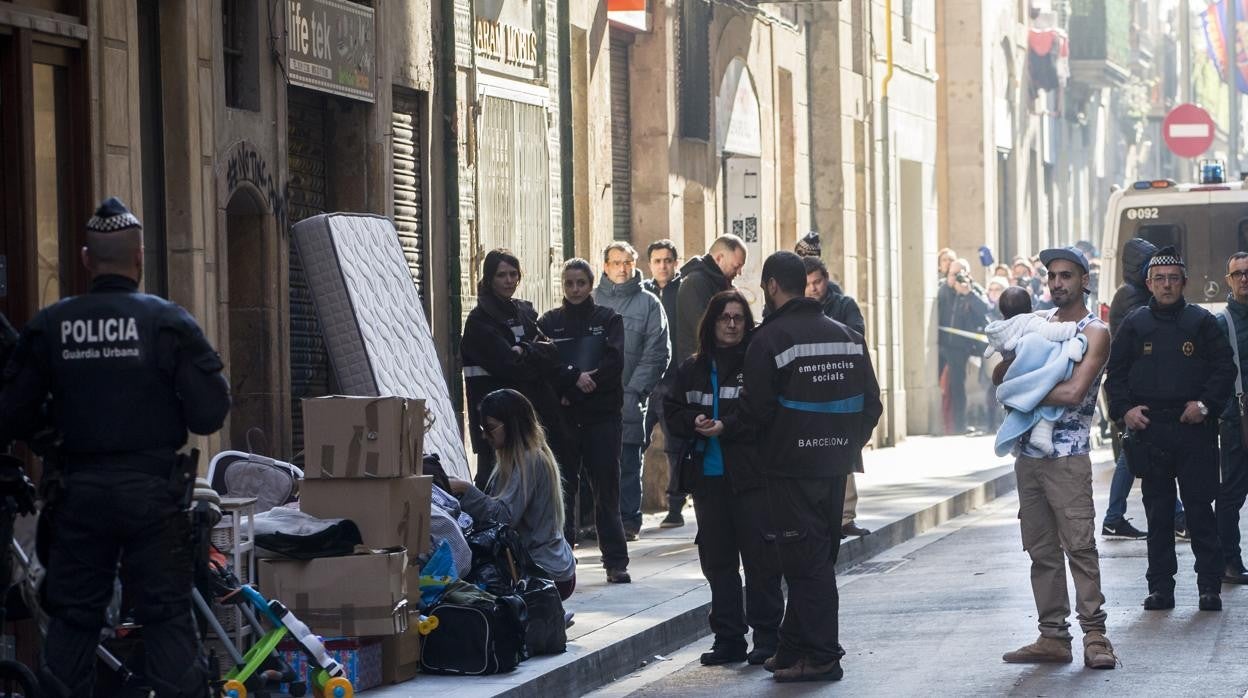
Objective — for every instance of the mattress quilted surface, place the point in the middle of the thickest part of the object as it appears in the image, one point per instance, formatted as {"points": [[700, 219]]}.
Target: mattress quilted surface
{"points": [[376, 333]]}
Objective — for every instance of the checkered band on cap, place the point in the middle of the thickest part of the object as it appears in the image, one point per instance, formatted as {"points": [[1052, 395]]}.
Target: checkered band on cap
{"points": [[111, 216], [1166, 257]]}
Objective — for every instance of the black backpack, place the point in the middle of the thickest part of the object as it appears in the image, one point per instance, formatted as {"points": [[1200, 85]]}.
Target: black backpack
{"points": [[476, 638]]}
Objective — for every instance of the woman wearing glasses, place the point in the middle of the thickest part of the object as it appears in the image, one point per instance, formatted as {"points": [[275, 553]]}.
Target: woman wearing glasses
{"points": [[503, 348], [523, 491], [721, 471], [590, 338]]}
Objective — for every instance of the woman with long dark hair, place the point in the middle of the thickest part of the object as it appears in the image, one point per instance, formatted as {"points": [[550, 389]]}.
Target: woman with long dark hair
{"points": [[721, 471], [503, 348], [590, 338], [524, 491]]}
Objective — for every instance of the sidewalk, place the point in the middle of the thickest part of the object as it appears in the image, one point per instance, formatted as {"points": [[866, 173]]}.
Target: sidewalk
{"points": [[906, 490]]}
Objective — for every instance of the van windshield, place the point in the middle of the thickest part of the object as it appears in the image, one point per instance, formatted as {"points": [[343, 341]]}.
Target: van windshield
{"points": [[1204, 234]]}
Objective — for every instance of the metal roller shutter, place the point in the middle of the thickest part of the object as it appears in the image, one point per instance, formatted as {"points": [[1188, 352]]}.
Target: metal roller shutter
{"points": [[408, 197], [621, 138], [514, 184], [306, 193]]}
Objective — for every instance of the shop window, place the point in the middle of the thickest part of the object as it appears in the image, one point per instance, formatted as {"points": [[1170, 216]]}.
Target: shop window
{"points": [[240, 54], [693, 85]]}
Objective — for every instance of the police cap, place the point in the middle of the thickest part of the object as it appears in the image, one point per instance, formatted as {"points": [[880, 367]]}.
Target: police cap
{"points": [[111, 216]]}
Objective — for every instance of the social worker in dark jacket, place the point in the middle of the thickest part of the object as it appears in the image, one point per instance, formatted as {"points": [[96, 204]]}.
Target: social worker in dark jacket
{"points": [[492, 333], [812, 390], [590, 338], [691, 395]]}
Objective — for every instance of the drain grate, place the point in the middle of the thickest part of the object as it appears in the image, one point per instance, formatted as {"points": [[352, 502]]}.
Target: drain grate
{"points": [[875, 567]]}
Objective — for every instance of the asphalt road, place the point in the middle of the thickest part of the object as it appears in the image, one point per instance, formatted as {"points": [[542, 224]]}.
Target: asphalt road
{"points": [[933, 616]]}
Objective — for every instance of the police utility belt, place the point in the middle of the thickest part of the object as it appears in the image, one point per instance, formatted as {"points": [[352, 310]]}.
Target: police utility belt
{"points": [[1145, 457]]}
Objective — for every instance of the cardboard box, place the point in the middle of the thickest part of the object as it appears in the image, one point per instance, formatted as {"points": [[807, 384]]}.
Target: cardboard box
{"points": [[362, 437], [389, 513], [360, 657], [349, 596], [400, 655]]}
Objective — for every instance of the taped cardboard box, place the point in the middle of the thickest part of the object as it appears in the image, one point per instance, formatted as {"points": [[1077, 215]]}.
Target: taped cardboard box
{"points": [[389, 513], [400, 655], [350, 596], [363, 437]]}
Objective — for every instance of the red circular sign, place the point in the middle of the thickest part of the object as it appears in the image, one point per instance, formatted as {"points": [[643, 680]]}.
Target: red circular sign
{"points": [[1188, 130]]}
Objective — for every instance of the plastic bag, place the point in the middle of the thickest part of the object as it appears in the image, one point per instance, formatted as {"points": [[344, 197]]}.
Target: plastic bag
{"points": [[437, 575], [499, 559]]}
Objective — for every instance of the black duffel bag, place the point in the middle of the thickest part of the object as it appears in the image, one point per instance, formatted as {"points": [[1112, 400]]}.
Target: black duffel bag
{"points": [[547, 630], [476, 638]]}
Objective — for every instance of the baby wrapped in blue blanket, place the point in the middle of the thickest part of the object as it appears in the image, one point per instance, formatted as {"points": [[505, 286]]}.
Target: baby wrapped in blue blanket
{"points": [[1044, 354]]}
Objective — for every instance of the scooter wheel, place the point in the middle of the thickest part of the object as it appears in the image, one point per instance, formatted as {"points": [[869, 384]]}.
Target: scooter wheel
{"points": [[338, 687], [234, 689], [428, 625]]}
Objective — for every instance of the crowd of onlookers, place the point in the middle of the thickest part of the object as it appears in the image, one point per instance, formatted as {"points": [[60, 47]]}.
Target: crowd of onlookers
{"points": [[964, 307]]}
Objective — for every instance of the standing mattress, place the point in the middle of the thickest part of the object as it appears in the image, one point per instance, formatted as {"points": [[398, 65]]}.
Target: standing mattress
{"points": [[375, 329]]}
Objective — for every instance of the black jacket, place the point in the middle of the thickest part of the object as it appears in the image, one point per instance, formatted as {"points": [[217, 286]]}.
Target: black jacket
{"points": [[811, 392], [128, 373], [843, 309], [1132, 293], [668, 297], [702, 278], [491, 330], [1166, 357], [589, 337], [690, 395]]}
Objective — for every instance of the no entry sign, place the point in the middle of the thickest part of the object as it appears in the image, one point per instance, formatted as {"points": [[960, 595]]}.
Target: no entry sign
{"points": [[1188, 130]]}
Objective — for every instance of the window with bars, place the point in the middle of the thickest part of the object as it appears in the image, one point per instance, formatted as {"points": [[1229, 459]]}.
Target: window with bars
{"points": [[240, 53], [693, 79]]}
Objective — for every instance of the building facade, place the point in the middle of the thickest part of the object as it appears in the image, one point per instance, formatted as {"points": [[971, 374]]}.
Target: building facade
{"points": [[717, 129]]}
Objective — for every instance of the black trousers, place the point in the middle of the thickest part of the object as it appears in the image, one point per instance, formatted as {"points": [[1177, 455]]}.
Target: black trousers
{"points": [[654, 415], [731, 527], [1192, 452], [805, 529], [132, 517], [595, 448], [1232, 494]]}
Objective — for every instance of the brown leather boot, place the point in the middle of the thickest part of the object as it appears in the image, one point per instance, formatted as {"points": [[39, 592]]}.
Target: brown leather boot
{"points": [[1045, 650], [1098, 653]]}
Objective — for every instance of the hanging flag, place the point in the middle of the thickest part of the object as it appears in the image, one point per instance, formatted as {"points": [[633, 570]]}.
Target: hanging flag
{"points": [[1213, 19]]}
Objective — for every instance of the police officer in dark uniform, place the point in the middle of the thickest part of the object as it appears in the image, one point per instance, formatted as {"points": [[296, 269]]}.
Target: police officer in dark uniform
{"points": [[127, 375], [1170, 364]]}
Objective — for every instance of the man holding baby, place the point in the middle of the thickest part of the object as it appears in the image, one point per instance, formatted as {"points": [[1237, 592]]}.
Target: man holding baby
{"points": [[1055, 486]]}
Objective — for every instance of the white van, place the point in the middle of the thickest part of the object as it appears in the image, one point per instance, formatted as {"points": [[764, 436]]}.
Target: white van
{"points": [[1207, 223]]}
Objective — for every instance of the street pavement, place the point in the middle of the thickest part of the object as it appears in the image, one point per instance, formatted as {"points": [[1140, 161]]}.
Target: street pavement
{"points": [[933, 616], [906, 490]]}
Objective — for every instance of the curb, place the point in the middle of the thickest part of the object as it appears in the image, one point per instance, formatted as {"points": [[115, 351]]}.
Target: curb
{"points": [[603, 666]]}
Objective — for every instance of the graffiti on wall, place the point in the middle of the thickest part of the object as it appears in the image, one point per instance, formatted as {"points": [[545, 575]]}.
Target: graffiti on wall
{"points": [[245, 164]]}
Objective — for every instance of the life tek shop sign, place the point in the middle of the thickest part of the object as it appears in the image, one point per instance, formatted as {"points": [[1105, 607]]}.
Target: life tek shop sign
{"points": [[1188, 130], [331, 46]]}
